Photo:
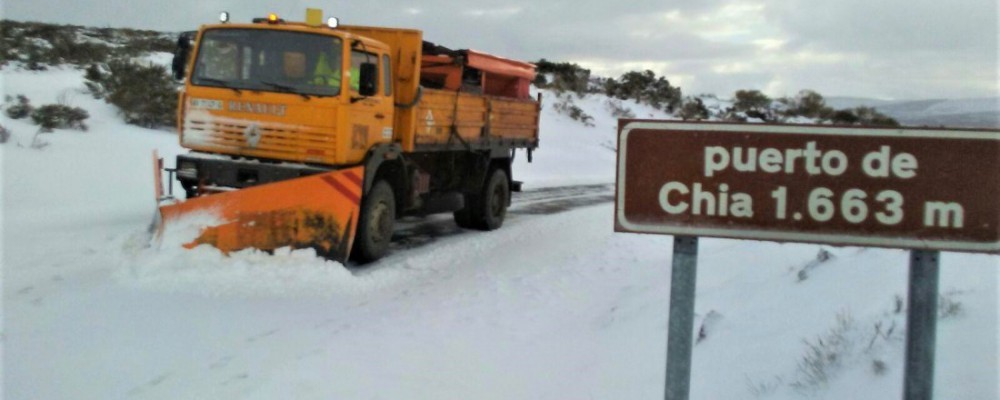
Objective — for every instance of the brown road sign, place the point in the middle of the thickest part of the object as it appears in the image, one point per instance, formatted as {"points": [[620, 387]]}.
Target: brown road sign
{"points": [[933, 189]]}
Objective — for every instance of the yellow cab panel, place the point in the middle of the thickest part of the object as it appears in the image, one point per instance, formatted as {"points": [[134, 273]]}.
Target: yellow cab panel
{"points": [[281, 92]]}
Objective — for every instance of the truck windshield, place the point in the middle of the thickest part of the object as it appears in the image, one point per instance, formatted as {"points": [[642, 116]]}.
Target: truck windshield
{"points": [[269, 60]]}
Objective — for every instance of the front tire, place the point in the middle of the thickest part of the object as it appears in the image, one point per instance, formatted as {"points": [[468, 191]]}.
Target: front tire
{"points": [[376, 223]]}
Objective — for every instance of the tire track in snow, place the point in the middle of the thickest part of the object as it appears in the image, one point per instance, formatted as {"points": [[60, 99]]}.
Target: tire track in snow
{"points": [[417, 232]]}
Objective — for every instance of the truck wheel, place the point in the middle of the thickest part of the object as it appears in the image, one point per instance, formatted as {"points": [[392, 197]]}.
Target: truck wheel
{"points": [[190, 190], [463, 217], [494, 200], [375, 225], [486, 210]]}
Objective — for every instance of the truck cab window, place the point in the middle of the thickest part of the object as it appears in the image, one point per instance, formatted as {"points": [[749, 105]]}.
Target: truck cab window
{"points": [[219, 60], [359, 57], [265, 60]]}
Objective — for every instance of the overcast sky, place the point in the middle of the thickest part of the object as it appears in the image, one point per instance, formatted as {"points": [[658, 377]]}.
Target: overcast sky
{"points": [[890, 49]]}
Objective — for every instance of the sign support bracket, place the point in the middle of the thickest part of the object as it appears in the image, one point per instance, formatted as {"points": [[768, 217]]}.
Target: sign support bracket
{"points": [[683, 274], [921, 325]]}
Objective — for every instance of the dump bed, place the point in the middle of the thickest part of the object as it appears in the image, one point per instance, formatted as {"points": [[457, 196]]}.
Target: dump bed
{"points": [[456, 99]]}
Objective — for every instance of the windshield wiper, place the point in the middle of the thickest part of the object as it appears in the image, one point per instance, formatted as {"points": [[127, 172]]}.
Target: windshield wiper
{"points": [[222, 83], [286, 89]]}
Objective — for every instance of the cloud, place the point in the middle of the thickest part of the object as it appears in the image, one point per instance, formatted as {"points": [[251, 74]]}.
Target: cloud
{"points": [[504, 12], [890, 26], [884, 48]]}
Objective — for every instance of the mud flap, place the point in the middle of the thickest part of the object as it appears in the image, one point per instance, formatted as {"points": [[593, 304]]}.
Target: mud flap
{"points": [[318, 211]]}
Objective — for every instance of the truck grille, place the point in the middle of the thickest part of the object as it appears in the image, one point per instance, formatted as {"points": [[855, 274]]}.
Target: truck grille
{"points": [[264, 140]]}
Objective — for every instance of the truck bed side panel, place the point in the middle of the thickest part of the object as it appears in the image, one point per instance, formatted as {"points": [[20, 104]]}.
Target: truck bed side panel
{"points": [[451, 118]]}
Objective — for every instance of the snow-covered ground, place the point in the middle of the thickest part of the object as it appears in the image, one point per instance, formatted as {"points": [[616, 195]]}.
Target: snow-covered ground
{"points": [[551, 306]]}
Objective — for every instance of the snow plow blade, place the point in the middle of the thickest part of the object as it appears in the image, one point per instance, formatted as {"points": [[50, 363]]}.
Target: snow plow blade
{"points": [[318, 211]]}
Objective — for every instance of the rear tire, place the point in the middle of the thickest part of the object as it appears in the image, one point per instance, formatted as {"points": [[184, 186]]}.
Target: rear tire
{"points": [[496, 196], [463, 217], [486, 210], [376, 223]]}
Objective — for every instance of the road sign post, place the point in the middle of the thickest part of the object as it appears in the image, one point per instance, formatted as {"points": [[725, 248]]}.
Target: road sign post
{"points": [[921, 326], [683, 274], [927, 190]]}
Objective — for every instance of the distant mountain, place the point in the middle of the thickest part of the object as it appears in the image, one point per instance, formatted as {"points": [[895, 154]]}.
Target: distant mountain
{"points": [[959, 113]]}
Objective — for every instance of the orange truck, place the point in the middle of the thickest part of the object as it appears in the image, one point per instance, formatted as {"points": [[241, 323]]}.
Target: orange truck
{"points": [[317, 135]]}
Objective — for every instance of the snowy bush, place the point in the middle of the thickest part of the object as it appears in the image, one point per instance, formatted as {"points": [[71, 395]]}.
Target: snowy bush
{"points": [[566, 106], [58, 116], [749, 104], [808, 104], [562, 76], [693, 109], [93, 80], [139, 42], [866, 116], [4, 135], [38, 45], [145, 95], [20, 109], [870, 117], [645, 87], [844, 117], [618, 110], [747, 100]]}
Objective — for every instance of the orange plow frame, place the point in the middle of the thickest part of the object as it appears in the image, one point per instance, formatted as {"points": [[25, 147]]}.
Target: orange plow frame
{"points": [[318, 211]]}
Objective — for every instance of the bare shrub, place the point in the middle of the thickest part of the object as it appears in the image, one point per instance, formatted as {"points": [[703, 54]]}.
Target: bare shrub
{"points": [[879, 367], [618, 110], [948, 306], [566, 106], [881, 333], [821, 257], [37, 142], [824, 356], [763, 388]]}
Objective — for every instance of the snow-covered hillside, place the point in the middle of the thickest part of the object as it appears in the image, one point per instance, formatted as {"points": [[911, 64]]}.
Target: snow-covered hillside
{"points": [[554, 305], [967, 113]]}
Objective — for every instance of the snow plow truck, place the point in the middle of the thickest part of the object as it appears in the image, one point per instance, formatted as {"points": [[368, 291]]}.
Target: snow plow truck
{"points": [[320, 135]]}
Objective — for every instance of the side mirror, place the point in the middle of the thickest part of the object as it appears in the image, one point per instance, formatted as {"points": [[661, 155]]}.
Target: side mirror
{"points": [[368, 82], [181, 53]]}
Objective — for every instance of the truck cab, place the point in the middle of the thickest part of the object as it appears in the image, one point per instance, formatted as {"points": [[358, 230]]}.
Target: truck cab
{"points": [[287, 92]]}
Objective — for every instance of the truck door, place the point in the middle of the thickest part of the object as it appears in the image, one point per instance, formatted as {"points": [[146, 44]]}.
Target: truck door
{"points": [[371, 117]]}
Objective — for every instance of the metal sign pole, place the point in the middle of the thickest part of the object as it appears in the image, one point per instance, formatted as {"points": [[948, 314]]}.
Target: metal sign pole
{"points": [[921, 325], [681, 320]]}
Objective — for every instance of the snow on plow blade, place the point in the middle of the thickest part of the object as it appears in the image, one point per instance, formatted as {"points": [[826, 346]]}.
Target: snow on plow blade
{"points": [[318, 211]]}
